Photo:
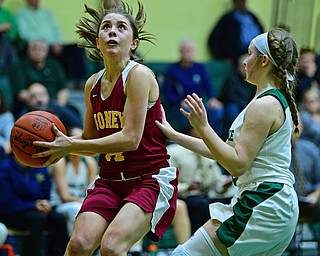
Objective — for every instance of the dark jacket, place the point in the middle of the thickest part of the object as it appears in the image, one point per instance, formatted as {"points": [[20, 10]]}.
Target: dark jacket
{"points": [[223, 41], [21, 186]]}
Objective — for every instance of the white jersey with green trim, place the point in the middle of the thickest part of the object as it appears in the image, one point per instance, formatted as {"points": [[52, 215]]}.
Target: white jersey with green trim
{"points": [[273, 160]]}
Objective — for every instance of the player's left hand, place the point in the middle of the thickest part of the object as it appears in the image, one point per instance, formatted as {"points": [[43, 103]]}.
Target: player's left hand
{"points": [[57, 149], [198, 115]]}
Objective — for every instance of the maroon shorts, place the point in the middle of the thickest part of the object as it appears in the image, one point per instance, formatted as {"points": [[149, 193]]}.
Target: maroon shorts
{"points": [[156, 192]]}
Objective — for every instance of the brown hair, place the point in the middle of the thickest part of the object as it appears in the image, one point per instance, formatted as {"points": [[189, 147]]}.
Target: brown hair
{"points": [[304, 50], [88, 29], [284, 51]]}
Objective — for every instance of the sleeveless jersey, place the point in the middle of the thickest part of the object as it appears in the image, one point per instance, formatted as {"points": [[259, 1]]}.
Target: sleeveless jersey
{"points": [[273, 160], [77, 182], [108, 117]]}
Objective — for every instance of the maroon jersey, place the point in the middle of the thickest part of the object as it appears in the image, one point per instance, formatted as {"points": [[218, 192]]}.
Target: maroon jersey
{"points": [[108, 117]]}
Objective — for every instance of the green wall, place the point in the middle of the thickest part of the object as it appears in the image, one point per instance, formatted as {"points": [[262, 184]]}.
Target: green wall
{"points": [[169, 20]]}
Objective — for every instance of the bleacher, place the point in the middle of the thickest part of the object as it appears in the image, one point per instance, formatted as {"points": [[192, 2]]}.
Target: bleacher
{"points": [[218, 71]]}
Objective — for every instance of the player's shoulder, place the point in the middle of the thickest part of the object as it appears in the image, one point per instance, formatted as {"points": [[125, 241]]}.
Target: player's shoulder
{"points": [[266, 100], [265, 111], [92, 80], [264, 106], [142, 69]]}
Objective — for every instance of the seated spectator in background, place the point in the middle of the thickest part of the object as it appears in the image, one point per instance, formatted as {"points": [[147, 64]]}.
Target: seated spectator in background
{"points": [[37, 66], [35, 22], [38, 98], [310, 115], [3, 233], [307, 155], [305, 165], [317, 75], [201, 182], [236, 94], [186, 77], [306, 74], [25, 193], [70, 179], [8, 39], [233, 33], [6, 123]]}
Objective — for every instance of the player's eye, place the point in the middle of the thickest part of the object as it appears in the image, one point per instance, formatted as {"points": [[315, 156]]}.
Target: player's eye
{"points": [[106, 26], [122, 27]]}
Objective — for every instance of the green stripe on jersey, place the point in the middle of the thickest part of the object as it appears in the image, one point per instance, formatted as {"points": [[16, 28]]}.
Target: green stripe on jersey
{"points": [[230, 230], [278, 94]]}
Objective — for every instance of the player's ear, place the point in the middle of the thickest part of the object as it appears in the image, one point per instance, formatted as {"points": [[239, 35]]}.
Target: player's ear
{"points": [[265, 60], [134, 44], [97, 43]]}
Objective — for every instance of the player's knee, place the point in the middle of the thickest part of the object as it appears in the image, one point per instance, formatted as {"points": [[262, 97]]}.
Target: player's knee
{"points": [[110, 250], [111, 246], [79, 246]]}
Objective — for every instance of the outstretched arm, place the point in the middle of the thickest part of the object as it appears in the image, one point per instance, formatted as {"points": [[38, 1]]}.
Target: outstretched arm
{"points": [[263, 117], [187, 141]]}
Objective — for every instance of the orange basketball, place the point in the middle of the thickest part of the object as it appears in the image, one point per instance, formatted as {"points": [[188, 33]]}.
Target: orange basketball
{"points": [[33, 126]]}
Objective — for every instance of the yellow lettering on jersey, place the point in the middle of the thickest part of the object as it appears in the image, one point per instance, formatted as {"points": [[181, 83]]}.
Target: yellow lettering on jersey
{"points": [[114, 119], [118, 157], [108, 119], [99, 120]]}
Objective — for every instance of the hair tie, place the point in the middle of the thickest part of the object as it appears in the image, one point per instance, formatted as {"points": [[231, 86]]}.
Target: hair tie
{"points": [[289, 76]]}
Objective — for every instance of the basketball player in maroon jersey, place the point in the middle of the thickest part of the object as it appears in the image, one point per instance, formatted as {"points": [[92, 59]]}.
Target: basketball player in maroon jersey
{"points": [[136, 191]]}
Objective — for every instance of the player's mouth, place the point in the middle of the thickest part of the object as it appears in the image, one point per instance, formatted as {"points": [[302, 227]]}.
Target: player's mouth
{"points": [[112, 42]]}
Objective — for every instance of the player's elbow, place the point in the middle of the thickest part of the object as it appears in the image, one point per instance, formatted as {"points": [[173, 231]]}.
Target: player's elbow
{"points": [[238, 170], [132, 146], [133, 142]]}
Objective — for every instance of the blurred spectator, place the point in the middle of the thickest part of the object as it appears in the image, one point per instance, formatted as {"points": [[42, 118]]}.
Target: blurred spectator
{"points": [[232, 34], [8, 39], [310, 115], [307, 155], [305, 166], [25, 205], [201, 182], [186, 77], [71, 177], [236, 94], [38, 67], [6, 123], [38, 99], [307, 70], [38, 23], [317, 75]]}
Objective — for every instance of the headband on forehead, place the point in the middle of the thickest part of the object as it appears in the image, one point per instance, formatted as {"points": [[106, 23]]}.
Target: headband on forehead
{"points": [[261, 43]]}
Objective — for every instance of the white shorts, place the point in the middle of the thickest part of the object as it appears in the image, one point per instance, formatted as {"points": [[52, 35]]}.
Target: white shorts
{"points": [[260, 220]]}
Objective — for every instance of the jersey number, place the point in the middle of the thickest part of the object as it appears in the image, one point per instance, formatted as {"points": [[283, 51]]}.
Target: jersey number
{"points": [[118, 157]]}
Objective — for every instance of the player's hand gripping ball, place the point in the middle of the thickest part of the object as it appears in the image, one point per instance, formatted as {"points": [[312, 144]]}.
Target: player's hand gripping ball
{"points": [[33, 126]]}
